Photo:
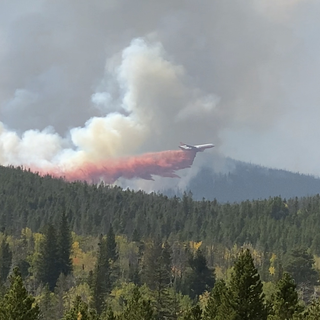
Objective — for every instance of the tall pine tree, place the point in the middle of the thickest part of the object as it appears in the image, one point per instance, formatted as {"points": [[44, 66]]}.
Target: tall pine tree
{"points": [[17, 304], [101, 284], [218, 306], [64, 244], [285, 301], [112, 253], [247, 297], [5, 261], [200, 278], [157, 275], [112, 256], [48, 267]]}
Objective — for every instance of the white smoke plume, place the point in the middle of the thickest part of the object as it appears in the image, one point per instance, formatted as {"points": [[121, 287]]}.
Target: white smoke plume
{"points": [[88, 81], [153, 105]]}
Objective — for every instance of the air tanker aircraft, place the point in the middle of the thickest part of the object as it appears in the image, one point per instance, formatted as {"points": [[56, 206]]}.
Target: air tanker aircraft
{"points": [[197, 148]]}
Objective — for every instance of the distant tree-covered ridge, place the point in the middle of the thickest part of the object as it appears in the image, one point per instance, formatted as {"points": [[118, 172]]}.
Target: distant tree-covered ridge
{"points": [[274, 224], [241, 181]]}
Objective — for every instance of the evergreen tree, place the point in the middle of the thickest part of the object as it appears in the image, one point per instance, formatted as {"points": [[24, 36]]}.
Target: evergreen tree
{"points": [[136, 235], [64, 244], [47, 305], [109, 315], [48, 268], [201, 277], [5, 261], [63, 285], [313, 311], [285, 300], [112, 253], [218, 306], [247, 297], [80, 310], [17, 304], [101, 284], [112, 256], [194, 313], [315, 247], [299, 264], [138, 308], [157, 275]]}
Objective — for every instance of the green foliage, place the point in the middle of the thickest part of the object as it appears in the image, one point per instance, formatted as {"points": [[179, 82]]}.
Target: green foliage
{"points": [[315, 247], [64, 245], [200, 278], [137, 308], [300, 265], [157, 275], [157, 266], [136, 237], [247, 297], [194, 313], [109, 315], [5, 260], [80, 310], [218, 306], [47, 304], [278, 208], [120, 295], [112, 255], [69, 296], [313, 311], [269, 289], [48, 267], [101, 284], [17, 304], [285, 301], [273, 225], [29, 200]]}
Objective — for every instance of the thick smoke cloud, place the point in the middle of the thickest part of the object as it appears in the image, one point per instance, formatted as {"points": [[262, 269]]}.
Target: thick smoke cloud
{"points": [[87, 82]]}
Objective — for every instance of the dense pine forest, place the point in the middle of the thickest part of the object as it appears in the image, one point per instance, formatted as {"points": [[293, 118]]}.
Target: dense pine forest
{"points": [[80, 251]]}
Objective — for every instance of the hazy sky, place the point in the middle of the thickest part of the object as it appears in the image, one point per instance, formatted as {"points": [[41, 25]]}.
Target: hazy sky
{"points": [[87, 80]]}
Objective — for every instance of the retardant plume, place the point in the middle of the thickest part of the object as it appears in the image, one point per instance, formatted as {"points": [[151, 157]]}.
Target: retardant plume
{"points": [[145, 166]]}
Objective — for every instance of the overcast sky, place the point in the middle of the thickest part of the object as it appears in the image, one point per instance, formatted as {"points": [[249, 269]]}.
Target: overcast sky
{"points": [[87, 80]]}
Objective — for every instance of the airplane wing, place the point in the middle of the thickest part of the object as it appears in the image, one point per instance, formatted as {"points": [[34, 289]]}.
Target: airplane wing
{"points": [[186, 146]]}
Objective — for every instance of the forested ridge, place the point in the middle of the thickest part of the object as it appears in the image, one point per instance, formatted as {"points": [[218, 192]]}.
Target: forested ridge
{"points": [[241, 181], [274, 224], [80, 251]]}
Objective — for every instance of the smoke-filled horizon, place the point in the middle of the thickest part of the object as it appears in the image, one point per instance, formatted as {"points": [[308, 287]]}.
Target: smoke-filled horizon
{"points": [[88, 82]]}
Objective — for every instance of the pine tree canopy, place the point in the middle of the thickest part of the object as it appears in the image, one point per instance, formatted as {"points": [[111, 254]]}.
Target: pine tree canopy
{"points": [[247, 297], [17, 304]]}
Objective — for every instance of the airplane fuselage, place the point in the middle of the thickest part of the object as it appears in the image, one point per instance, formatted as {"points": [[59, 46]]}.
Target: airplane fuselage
{"points": [[197, 148]]}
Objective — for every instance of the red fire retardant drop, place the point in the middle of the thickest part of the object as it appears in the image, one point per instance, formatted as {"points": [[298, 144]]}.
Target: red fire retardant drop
{"points": [[164, 164]]}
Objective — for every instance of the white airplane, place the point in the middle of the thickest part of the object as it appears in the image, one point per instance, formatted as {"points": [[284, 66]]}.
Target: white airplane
{"points": [[199, 147]]}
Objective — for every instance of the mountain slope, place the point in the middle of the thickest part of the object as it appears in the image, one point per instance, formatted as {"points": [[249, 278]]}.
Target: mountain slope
{"points": [[247, 181]]}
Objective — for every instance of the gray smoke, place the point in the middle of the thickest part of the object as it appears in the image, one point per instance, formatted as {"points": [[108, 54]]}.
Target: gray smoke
{"points": [[87, 80]]}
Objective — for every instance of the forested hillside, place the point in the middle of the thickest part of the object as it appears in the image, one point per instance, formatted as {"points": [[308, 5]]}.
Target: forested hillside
{"points": [[76, 251], [247, 181], [277, 224]]}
